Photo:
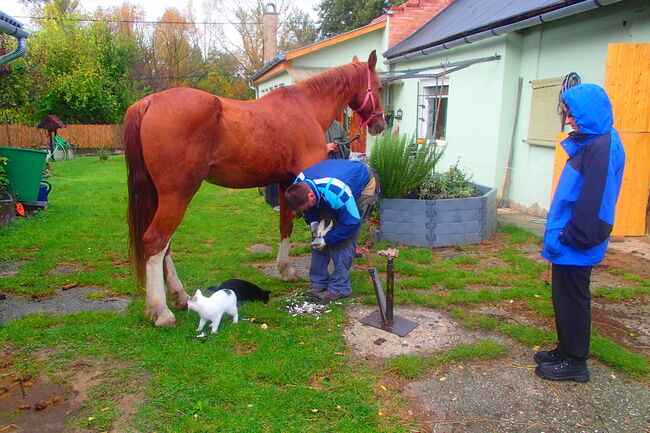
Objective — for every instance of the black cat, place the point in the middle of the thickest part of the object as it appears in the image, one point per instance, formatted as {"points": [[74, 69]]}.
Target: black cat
{"points": [[244, 290]]}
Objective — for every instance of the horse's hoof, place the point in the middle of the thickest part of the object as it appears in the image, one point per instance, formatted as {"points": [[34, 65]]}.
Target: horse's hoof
{"points": [[164, 318], [165, 321], [180, 302], [288, 274]]}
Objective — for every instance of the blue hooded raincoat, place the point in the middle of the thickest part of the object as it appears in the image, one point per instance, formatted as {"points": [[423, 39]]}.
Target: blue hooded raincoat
{"points": [[582, 212]]}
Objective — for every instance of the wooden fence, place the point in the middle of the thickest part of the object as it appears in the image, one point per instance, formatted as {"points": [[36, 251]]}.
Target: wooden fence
{"points": [[82, 136]]}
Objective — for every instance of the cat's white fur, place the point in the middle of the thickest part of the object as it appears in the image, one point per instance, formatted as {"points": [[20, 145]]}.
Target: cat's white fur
{"points": [[211, 308]]}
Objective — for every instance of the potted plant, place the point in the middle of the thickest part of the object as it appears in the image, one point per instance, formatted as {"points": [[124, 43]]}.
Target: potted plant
{"points": [[422, 207], [7, 203]]}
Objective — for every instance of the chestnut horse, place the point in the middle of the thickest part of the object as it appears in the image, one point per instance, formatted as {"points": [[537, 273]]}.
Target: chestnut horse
{"points": [[176, 139]]}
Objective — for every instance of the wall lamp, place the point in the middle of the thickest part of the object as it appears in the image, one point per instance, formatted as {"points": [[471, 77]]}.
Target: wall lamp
{"points": [[398, 114]]}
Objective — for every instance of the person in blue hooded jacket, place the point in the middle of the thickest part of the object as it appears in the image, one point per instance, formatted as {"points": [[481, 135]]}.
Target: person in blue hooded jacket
{"points": [[579, 224], [344, 191]]}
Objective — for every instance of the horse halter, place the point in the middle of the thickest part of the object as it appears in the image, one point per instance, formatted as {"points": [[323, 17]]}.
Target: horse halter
{"points": [[369, 96]]}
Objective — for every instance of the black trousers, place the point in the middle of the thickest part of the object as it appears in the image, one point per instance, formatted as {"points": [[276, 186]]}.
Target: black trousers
{"points": [[572, 305]]}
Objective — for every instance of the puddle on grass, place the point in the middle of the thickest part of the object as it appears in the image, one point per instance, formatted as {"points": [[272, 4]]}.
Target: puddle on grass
{"points": [[64, 302], [10, 268]]}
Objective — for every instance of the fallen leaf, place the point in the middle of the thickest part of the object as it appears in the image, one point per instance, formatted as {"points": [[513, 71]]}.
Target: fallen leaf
{"points": [[314, 410], [90, 418], [613, 376], [380, 414], [536, 348], [69, 286], [264, 326], [383, 387], [105, 409], [631, 334], [339, 353], [443, 379]]}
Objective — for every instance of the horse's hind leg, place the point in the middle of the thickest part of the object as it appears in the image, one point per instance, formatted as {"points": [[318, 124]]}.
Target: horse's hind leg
{"points": [[175, 291], [156, 243], [155, 304]]}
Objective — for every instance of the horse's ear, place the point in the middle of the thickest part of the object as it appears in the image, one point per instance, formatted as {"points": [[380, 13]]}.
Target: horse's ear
{"points": [[372, 59], [355, 59]]}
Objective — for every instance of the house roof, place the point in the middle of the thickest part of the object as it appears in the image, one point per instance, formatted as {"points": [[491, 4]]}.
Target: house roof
{"points": [[275, 65], [465, 21]]}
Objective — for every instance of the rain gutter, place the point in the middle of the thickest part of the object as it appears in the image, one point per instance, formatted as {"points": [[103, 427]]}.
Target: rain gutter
{"points": [[13, 28]]}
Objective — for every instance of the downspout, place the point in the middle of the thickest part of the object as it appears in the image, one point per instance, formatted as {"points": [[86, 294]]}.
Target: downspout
{"points": [[539, 19], [13, 28]]}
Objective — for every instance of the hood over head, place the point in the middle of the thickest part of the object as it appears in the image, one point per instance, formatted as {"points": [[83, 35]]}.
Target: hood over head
{"points": [[590, 107]]}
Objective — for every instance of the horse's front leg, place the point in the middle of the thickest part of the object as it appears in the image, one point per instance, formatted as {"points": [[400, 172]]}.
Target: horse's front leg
{"points": [[286, 271], [175, 291]]}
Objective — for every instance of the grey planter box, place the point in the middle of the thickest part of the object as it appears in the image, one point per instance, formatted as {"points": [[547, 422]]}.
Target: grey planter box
{"points": [[439, 223], [7, 211]]}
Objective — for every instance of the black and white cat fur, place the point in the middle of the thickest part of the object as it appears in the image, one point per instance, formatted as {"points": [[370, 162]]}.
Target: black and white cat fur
{"points": [[244, 290], [212, 308]]}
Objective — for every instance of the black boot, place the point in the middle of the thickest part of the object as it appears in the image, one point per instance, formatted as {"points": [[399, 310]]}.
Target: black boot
{"points": [[564, 370], [554, 355]]}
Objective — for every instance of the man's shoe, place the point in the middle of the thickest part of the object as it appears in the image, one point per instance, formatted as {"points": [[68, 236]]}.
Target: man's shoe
{"points": [[313, 292], [554, 355], [327, 296], [564, 370]]}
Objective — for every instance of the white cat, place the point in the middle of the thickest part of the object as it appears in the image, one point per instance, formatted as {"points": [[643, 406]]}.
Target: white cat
{"points": [[211, 309]]}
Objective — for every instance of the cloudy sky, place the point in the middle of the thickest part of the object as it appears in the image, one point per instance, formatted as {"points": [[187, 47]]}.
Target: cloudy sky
{"points": [[153, 8]]}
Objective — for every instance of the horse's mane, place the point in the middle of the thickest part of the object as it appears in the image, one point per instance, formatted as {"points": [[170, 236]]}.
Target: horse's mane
{"points": [[333, 79]]}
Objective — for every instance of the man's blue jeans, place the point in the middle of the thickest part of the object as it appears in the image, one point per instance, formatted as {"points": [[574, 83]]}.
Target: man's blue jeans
{"points": [[339, 280]]}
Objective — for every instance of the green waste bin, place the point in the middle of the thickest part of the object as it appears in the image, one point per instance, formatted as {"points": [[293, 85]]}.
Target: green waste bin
{"points": [[24, 170]]}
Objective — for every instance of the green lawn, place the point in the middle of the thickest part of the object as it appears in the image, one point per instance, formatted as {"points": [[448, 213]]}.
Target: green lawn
{"points": [[296, 374]]}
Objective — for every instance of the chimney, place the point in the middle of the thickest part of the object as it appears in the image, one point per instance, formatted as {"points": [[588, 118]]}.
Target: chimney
{"points": [[270, 20]]}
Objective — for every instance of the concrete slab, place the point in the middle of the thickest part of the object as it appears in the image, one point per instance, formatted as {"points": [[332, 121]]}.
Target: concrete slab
{"points": [[505, 396]]}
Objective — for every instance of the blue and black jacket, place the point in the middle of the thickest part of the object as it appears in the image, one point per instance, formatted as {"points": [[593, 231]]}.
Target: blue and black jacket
{"points": [[337, 183], [581, 217]]}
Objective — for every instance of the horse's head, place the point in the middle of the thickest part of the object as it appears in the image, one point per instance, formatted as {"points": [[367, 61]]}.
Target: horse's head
{"points": [[367, 103]]}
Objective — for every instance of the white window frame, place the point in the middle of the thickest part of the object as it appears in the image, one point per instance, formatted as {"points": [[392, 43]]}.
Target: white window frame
{"points": [[425, 104]]}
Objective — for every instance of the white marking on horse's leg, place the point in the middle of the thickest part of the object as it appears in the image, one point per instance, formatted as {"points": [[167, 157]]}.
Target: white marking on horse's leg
{"points": [[155, 303], [175, 291], [286, 271]]}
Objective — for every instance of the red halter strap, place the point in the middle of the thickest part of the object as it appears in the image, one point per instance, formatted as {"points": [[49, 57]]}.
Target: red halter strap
{"points": [[369, 96]]}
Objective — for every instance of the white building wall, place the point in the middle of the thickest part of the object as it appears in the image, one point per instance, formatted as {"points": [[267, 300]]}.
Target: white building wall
{"points": [[474, 110], [483, 97]]}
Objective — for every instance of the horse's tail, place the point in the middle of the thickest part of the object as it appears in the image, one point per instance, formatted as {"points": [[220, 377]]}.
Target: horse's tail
{"points": [[143, 197]]}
